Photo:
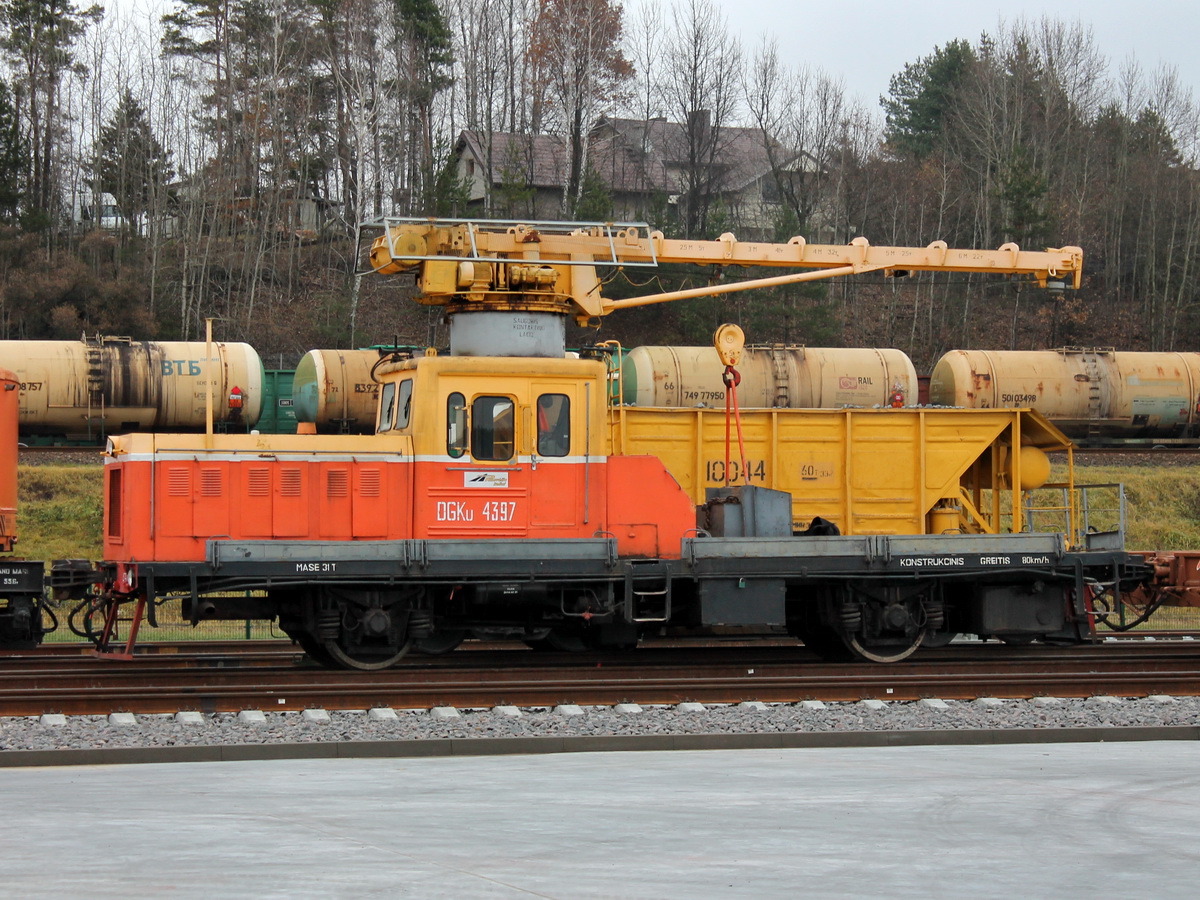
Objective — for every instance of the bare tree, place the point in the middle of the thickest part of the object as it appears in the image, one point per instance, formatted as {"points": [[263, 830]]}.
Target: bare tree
{"points": [[701, 90], [577, 43]]}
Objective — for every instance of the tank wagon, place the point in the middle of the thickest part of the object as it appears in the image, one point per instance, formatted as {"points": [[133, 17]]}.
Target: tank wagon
{"points": [[85, 390], [1096, 396], [776, 376], [21, 581], [336, 391], [505, 494]]}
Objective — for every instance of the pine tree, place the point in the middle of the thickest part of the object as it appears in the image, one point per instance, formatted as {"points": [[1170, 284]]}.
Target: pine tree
{"points": [[38, 40], [14, 156], [922, 96], [423, 44], [130, 163]]}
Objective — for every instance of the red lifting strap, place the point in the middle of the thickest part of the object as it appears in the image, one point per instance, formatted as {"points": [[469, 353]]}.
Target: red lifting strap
{"points": [[732, 379]]}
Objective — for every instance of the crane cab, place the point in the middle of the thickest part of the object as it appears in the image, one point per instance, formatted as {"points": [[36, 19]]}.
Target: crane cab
{"points": [[517, 448]]}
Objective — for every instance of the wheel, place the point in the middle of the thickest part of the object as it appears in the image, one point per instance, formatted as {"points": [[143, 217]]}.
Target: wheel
{"points": [[362, 630], [935, 639], [884, 652], [559, 640], [19, 645], [824, 641], [885, 628], [307, 642], [1017, 640], [313, 649], [366, 658], [805, 621], [439, 642]]}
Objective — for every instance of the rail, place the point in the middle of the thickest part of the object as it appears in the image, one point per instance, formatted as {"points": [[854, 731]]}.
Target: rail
{"points": [[789, 674]]}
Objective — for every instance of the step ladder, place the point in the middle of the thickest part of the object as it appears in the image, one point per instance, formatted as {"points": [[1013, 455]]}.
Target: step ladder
{"points": [[647, 591]]}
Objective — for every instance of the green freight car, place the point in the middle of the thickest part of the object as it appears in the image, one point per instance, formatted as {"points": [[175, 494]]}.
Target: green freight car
{"points": [[278, 410]]}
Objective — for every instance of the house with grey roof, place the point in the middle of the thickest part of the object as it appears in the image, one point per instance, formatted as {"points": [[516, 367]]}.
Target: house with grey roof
{"points": [[650, 169]]}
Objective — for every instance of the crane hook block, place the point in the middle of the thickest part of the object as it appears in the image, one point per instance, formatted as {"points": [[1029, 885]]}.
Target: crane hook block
{"points": [[729, 341]]}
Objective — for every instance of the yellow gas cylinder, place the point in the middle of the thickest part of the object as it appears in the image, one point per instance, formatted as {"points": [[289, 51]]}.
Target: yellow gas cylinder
{"points": [[1035, 468], [945, 518]]}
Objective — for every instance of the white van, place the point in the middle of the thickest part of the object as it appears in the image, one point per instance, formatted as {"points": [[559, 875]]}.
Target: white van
{"points": [[105, 215]]}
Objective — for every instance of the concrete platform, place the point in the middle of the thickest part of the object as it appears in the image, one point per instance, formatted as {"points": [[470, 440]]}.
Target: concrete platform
{"points": [[1044, 820]]}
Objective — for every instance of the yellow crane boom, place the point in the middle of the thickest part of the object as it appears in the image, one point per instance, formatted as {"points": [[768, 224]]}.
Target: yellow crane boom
{"points": [[551, 266]]}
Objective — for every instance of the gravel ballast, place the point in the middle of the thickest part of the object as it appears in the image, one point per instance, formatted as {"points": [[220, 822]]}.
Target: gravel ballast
{"points": [[222, 729]]}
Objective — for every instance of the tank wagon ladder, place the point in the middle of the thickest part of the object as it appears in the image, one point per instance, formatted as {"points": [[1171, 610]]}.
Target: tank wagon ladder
{"points": [[779, 364], [1091, 362], [95, 383]]}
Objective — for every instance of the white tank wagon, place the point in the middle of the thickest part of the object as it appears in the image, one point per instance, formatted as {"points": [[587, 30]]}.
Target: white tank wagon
{"points": [[85, 390], [778, 377], [335, 391], [1092, 395]]}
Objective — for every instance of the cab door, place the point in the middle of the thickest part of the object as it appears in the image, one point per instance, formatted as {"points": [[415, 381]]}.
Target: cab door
{"points": [[481, 487], [383, 485], [559, 464]]}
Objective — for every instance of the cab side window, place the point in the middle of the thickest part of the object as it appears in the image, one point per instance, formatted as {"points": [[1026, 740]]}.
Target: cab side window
{"points": [[493, 425], [387, 407], [554, 425], [404, 403], [456, 425]]}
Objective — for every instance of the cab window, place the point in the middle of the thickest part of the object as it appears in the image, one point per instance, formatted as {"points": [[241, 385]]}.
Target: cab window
{"points": [[492, 428], [387, 407], [554, 425], [404, 403], [456, 425]]}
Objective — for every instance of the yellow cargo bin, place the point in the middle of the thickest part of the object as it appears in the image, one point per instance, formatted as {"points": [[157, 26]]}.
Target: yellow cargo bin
{"points": [[869, 471]]}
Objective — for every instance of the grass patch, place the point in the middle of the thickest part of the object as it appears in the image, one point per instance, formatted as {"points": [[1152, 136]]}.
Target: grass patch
{"points": [[60, 512], [1163, 503]]}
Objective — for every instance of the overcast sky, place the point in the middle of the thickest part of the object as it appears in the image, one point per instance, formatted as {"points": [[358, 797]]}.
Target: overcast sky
{"points": [[867, 41]]}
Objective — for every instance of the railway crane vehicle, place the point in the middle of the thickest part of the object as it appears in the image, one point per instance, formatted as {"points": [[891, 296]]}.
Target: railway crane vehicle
{"points": [[21, 580], [506, 491]]}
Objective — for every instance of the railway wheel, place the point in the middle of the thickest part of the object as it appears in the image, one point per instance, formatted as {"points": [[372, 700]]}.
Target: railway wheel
{"points": [[365, 658], [883, 626], [367, 630], [312, 647], [559, 640], [824, 641], [807, 621], [884, 651], [1017, 640], [439, 641], [935, 639]]}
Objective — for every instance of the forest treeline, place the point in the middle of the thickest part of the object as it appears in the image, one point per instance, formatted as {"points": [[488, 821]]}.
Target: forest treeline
{"points": [[219, 161]]}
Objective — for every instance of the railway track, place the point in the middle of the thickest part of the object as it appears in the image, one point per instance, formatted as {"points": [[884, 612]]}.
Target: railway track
{"points": [[58, 456], [1149, 450], [278, 678], [1138, 456]]}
